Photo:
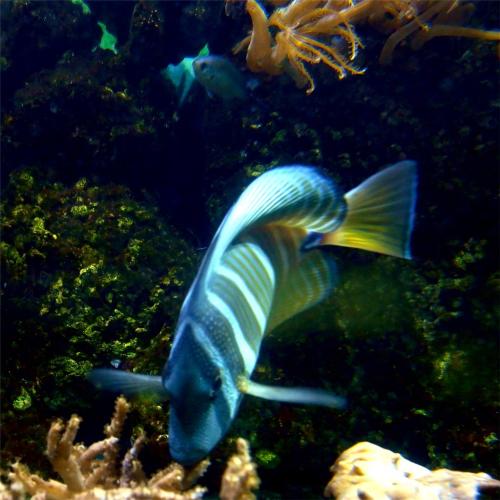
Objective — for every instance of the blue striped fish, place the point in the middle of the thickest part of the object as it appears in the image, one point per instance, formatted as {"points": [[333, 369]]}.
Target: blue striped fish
{"points": [[265, 264]]}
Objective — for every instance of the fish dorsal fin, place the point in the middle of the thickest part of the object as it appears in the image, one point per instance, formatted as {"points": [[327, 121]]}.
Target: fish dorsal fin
{"points": [[293, 196], [303, 279], [380, 213]]}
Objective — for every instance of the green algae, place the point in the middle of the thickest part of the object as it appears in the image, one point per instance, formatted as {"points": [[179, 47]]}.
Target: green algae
{"points": [[23, 401], [90, 275], [267, 458]]}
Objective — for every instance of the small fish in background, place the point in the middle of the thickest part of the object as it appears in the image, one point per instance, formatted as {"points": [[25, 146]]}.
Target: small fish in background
{"points": [[116, 363], [182, 75], [221, 78], [265, 265]]}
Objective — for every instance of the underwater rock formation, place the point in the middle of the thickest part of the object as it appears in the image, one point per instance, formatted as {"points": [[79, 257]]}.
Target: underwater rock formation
{"points": [[368, 471], [90, 274], [96, 471], [100, 471]]}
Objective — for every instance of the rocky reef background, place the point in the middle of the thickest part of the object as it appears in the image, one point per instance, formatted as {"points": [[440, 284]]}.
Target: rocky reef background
{"points": [[111, 192]]}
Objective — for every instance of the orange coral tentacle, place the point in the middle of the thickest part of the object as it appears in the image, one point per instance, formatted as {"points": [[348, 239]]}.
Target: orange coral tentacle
{"points": [[280, 51], [351, 38], [241, 45], [398, 36], [355, 13], [324, 26], [301, 72], [449, 30], [355, 42], [292, 14], [259, 48], [334, 54], [301, 51], [314, 16], [456, 14], [338, 4], [321, 57]]}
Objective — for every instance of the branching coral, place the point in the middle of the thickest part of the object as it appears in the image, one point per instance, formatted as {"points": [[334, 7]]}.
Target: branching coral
{"points": [[304, 31], [86, 475], [96, 472], [369, 471], [240, 477]]}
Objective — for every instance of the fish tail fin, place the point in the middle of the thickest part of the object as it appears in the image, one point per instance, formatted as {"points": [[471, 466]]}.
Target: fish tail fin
{"points": [[380, 213], [129, 384]]}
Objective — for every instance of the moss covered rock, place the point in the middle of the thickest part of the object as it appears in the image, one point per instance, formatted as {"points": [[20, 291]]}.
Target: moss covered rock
{"points": [[89, 276]]}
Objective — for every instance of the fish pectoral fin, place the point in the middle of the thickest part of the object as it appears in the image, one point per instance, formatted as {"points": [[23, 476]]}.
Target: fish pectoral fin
{"points": [[380, 213], [301, 395], [129, 384]]}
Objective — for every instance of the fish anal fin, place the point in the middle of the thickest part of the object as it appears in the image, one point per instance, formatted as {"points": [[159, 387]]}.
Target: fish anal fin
{"points": [[301, 395], [380, 213]]}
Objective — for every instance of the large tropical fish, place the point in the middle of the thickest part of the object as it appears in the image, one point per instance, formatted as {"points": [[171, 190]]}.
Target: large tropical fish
{"points": [[264, 265]]}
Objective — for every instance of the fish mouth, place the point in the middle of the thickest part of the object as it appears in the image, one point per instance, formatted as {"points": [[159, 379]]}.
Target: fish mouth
{"points": [[187, 457]]}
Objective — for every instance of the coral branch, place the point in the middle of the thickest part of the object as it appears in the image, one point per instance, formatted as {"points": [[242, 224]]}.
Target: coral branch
{"points": [[195, 473], [115, 427], [132, 472], [107, 471], [240, 477], [24, 482], [87, 476], [60, 453], [99, 448]]}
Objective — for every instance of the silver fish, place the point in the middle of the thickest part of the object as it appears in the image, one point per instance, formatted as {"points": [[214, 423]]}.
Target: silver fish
{"points": [[265, 265], [220, 77]]}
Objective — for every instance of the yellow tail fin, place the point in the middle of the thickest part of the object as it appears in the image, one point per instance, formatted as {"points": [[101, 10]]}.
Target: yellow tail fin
{"points": [[380, 213]]}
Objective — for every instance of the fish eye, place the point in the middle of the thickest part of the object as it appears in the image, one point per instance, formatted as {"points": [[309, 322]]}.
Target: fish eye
{"points": [[215, 387], [203, 66]]}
